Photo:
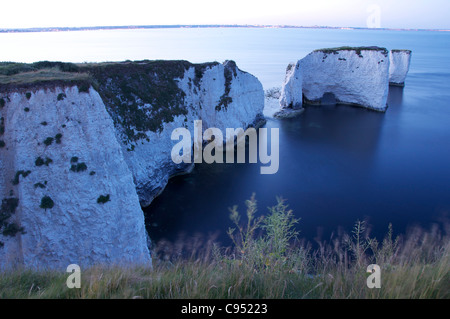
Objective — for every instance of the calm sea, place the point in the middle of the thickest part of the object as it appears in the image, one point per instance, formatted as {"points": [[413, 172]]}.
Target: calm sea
{"points": [[338, 164]]}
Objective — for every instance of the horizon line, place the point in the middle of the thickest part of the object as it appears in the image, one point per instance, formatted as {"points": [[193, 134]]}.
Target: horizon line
{"points": [[173, 26]]}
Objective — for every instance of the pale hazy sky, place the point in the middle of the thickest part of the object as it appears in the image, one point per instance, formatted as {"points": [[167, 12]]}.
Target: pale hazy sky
{"points": [[385, 13]]}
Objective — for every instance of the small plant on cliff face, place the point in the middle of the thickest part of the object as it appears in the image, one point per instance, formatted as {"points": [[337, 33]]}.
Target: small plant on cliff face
{"points": [[225, 99], [80, 167], [61, 96], [103, 199], [7, 209], [28, 95], [48, 141], [2, 144], [40, 161], [58, 138], [2, 126], [16, 179], [2, 102], [83, 88], [46, 203]]}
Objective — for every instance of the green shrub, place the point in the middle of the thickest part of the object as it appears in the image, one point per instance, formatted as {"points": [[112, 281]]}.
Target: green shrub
{"points": [[2, 102], [92, 173], [7, 209], [103, 199], [16, 179], [74, 159], [48, 141], [39, 161], [58, 138], [46, 203], [83, 88], [2, 144], [44, 123], [61, 96], [28, 95], [271, 249], [27, 109], [12, 68], [79, 167], [62, 66]]}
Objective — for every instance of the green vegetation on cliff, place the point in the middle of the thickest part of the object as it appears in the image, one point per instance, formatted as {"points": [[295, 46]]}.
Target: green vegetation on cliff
{"points": [[142, 95], [9, 227], [358, 50], [31, 75]]}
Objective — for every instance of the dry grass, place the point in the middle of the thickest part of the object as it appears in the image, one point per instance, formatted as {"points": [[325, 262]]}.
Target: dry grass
{"points": [[43, 76], [415, 265]]}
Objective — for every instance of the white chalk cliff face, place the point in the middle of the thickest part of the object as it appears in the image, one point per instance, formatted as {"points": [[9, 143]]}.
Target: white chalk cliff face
{"points": [[66, 142], [291, 92], [221, 95], [75, 166], [399, 66], [355, 76]]}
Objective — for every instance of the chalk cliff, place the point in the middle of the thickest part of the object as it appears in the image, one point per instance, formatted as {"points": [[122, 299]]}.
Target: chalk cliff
{"points": [[399, 66], [356, 76], [291, 92], [221, 95], [80, 153], [60, 158], [291, 98]]}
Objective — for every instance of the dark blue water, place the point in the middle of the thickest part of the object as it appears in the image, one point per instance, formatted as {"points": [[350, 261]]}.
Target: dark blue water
{"points": [[338, 163]]}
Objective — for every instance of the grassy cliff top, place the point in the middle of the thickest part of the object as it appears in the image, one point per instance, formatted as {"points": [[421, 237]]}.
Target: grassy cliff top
{"points": [[140, 96], [35, 75], [401, 50], [32, 75], [356, 49]]}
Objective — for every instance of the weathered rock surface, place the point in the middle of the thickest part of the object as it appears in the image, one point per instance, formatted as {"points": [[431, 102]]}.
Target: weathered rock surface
{"points": [[355, 76], [291, 91], [66, 141], [399, 66], [221, 95]]}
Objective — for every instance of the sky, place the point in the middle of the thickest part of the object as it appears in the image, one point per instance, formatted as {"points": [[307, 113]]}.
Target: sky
{"points": [[410, 14]]}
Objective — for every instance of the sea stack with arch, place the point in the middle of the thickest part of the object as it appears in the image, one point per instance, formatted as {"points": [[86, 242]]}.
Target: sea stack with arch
{"points": [[349, 75]]}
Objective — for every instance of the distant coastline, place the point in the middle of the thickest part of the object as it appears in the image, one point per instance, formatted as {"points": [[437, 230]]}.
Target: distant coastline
{"points": [[176, 26]]}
